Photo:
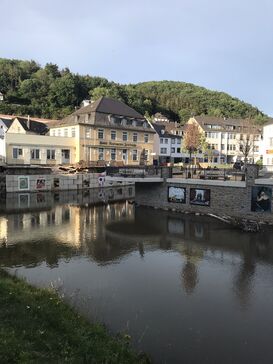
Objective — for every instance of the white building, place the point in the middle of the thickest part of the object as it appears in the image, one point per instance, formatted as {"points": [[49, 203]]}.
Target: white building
{"points": [[167, 147], [226, 139], [267, 145], [4, 125]]}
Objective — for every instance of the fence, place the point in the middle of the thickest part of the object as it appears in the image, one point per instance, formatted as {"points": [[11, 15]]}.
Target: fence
{"points": [[209, 174]]}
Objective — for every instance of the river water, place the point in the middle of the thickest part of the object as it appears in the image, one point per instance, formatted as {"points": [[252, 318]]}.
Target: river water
{"points": [[187, 289]]}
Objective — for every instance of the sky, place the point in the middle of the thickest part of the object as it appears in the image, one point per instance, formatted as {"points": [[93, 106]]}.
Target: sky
{"points": [[224, 45]]}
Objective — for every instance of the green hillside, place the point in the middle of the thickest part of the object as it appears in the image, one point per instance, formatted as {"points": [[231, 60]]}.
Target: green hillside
{"points": [[51, 92]]}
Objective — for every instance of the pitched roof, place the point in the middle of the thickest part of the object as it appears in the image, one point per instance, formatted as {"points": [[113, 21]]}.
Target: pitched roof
{"points": [[32, 125], [162, 132], [225, 123], [7, 122], [107, 105]]}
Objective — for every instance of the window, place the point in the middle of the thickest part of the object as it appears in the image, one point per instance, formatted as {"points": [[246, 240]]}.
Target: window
{"points": [[113, 135], [166, 141], [134, 155], [146, 153], [73, 132], [124, 136], [59, 132], [88, 133], [173, 141], [101, 154], [53, 132], [163, 150], [172, 150], [35, 153], [50, 154], [232, 147], [222, 146], [66, 132], [100, 133], [113, 154], [178, 150], [256, 148], [134, 137], [146, 138], [178, 141], [17, 152], [161, 140], [256, 137]]}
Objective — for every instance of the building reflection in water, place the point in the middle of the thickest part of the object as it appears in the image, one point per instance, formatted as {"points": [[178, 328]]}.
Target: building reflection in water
{"points": [[50, 226]]}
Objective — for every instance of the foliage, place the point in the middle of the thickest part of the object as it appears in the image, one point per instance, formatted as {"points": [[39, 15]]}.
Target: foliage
{"points": [[192, 138], [50, 92], [37, 327]]}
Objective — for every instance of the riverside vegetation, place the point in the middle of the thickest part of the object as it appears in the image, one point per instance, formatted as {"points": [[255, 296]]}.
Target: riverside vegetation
{"points": [[38, 327], [50, 92]]}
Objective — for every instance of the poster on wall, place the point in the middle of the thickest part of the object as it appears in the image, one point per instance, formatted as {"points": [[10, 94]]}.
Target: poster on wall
{"points": [[40, 183], [177, 194], [199, 196], [23, 183], [261, 199]]}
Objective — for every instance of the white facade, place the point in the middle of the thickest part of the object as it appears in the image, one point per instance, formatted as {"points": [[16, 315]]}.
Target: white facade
{"points": [[3, 130], [267, 146], [167, 148]]}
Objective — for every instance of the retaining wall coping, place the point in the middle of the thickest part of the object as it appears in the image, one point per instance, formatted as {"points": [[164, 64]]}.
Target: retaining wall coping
{"points": [[264, 181], [193, 181]]}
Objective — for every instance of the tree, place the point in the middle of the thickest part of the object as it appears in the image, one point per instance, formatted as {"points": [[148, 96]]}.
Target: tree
{"points": [[192, 139], [249, 133]]}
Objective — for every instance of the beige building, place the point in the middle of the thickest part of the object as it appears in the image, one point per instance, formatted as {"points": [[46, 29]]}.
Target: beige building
{"points": [[227, 139], [104, 132], [28, 142], [107, 131]]}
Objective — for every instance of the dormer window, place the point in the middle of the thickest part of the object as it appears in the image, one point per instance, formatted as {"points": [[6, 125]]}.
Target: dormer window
{"points": [[87, 116], [123, 121]]}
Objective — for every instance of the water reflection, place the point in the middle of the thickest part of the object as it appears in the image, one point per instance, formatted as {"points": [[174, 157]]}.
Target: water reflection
{"points": [[176, 278]]}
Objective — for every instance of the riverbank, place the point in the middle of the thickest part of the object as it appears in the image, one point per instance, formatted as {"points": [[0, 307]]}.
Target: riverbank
{"points": [[38, 327]]}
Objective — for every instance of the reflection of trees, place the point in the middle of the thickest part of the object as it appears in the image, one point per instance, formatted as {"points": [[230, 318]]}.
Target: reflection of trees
{"points": [[189, 275], [243, 280], [33, 254]]}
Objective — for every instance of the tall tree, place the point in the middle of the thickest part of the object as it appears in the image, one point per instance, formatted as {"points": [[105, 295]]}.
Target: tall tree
{"points": [[192, 139]]}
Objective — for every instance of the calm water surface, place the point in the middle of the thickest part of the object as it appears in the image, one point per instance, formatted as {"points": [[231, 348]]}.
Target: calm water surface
{"points": [[188, 289]]}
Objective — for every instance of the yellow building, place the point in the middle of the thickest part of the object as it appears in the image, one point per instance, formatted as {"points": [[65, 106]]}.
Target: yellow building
{"points": [[107, 131]]}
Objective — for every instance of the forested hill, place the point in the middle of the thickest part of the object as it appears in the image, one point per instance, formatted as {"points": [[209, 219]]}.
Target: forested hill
{"points": [[50, 92]]}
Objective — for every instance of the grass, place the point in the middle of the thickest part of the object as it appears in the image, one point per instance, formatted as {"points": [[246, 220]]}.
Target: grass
{"points": [[36, 326]]}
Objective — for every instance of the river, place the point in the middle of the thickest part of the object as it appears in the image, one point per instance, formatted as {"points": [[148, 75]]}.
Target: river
{"points": [[187, 289]]}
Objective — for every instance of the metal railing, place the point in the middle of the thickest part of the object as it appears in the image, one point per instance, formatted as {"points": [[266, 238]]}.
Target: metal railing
{"points": [[222, 174], [134, 171]]}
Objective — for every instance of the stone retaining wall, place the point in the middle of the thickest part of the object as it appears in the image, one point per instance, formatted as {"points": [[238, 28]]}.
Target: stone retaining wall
{"points": [[225, 201]]}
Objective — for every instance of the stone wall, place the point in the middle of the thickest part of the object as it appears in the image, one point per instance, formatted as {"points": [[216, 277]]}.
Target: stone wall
{"points": [[56, 182], [225, 200]]}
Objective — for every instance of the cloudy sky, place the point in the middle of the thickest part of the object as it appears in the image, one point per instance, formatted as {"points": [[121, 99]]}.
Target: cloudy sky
{"points": [[224, 45]]}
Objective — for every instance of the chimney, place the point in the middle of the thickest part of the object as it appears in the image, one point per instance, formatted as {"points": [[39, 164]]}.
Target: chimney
{"points": [[28, 122]]}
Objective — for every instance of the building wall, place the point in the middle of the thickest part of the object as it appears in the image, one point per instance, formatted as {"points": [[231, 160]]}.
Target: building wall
{"points": [[89, 147], [267, 148], [3, 130], [27, 142], [225, 146]]}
